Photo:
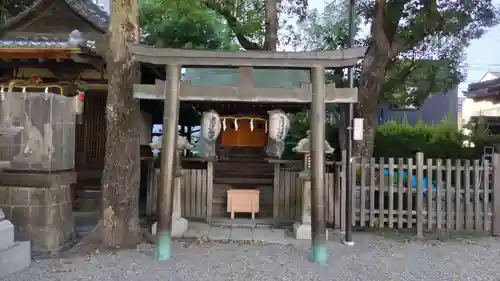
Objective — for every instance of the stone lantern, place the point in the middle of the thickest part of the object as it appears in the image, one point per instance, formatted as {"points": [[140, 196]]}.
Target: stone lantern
{"points": [[179, 224], [302, 229]]}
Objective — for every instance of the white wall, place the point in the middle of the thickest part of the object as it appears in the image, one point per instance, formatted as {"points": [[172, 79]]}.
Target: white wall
{"points": [[481, 108], [488, 76]]}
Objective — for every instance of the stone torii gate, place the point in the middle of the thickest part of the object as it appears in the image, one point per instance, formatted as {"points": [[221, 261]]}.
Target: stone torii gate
{"points": [[317, 93]]}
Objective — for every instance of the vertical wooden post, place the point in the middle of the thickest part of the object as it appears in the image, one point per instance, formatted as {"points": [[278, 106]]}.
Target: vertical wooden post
{"points": [[381, 193], [318, 226], [420, 194], [495, 230], [337, 191], [210, 190], [151, 186], [343, 191], [276, 190], [168, 163]]}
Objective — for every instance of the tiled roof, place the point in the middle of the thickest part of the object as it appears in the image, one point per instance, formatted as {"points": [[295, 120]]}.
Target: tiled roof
{"points": [[90, 11], [45, 42], [33, 43], [481, 89], [86, 9]]}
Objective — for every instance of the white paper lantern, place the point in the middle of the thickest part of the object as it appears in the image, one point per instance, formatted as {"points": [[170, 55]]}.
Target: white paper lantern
{"points": [[278, 125], [210, 125]]}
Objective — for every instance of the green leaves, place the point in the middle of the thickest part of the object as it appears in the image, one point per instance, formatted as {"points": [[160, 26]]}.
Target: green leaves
{"points": [[183, 24], [443, 140]]}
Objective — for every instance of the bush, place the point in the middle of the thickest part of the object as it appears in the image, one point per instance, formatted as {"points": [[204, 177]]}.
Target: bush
{"points": [[443, 140], [299, 124], [394, 139]]}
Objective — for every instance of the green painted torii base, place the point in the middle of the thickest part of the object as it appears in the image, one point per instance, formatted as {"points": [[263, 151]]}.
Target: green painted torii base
{"points": [[320, 253], [163, 246]]}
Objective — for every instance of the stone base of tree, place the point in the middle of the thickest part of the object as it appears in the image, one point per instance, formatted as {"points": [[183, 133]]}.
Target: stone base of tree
{"points": [[179, 227]]}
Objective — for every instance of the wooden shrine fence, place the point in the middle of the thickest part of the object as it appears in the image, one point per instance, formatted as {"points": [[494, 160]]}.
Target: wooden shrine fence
{"points": [[415, 193]]}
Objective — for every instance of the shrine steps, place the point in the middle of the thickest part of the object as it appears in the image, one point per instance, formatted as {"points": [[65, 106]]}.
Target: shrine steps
{"points": [[244, 171]]}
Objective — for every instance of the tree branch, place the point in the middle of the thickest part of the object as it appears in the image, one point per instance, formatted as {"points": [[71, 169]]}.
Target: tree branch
{"points": [[379, 38], [271, 23], [393, 14], [233, 23], [402, 74], [432, 19], [398, 78]]}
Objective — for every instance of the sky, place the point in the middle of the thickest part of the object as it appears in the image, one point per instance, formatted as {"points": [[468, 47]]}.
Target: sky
{"points": [[477, 64]]}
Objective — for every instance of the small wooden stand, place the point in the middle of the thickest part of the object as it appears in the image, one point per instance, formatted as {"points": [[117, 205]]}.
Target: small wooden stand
{"points": [[243, 201]]}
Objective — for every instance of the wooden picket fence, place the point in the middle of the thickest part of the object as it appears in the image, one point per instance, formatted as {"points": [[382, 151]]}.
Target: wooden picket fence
{"points": [[424, 194], [428, 194], [414, 193], [196, 193], [287, 199]]}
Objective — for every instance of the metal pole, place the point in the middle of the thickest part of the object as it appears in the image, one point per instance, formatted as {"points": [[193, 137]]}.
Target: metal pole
{"points": [[350, 115], [168, 163], [318, 227]]}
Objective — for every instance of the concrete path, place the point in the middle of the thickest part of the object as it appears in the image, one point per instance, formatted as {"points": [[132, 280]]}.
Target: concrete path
{"points": [[228, 233]]}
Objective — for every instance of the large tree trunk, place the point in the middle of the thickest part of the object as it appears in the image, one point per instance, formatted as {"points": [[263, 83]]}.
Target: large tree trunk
{"points": [[371, 81], [121, 175]]}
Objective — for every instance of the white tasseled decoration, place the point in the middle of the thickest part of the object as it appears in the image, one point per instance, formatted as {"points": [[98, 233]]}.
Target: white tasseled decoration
{"points": [[224, 126], [265, 127], [236, 124], [251, 125], [24, 90], [2, 94], [46, 90]]}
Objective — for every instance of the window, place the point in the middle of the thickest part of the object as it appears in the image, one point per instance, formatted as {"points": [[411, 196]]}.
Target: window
{"points": [[409, 107]]}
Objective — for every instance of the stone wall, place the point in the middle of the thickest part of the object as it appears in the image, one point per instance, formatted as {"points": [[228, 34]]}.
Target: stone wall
{"points": [[42, 215]]}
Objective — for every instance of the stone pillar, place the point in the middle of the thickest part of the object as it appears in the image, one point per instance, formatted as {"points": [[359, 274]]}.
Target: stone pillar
{"points": [[306, 202], [302, 229], [179, 224]]}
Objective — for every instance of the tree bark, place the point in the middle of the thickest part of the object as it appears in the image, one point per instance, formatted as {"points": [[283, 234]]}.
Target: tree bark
{"points": [[383, 48], [271, 25], [372, 78], [121, 175], [233, 23], [371, 81], [271, 36]]}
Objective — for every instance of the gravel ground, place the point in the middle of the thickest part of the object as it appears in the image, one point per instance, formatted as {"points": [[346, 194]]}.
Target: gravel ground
{"points": [[372, 258]]}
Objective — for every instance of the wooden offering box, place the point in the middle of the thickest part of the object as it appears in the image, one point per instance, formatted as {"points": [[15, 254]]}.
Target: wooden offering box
{"points": [[243, 201]]}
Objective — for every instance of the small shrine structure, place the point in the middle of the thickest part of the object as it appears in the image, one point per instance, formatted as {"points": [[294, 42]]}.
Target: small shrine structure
{"points": [[241, 103]]}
